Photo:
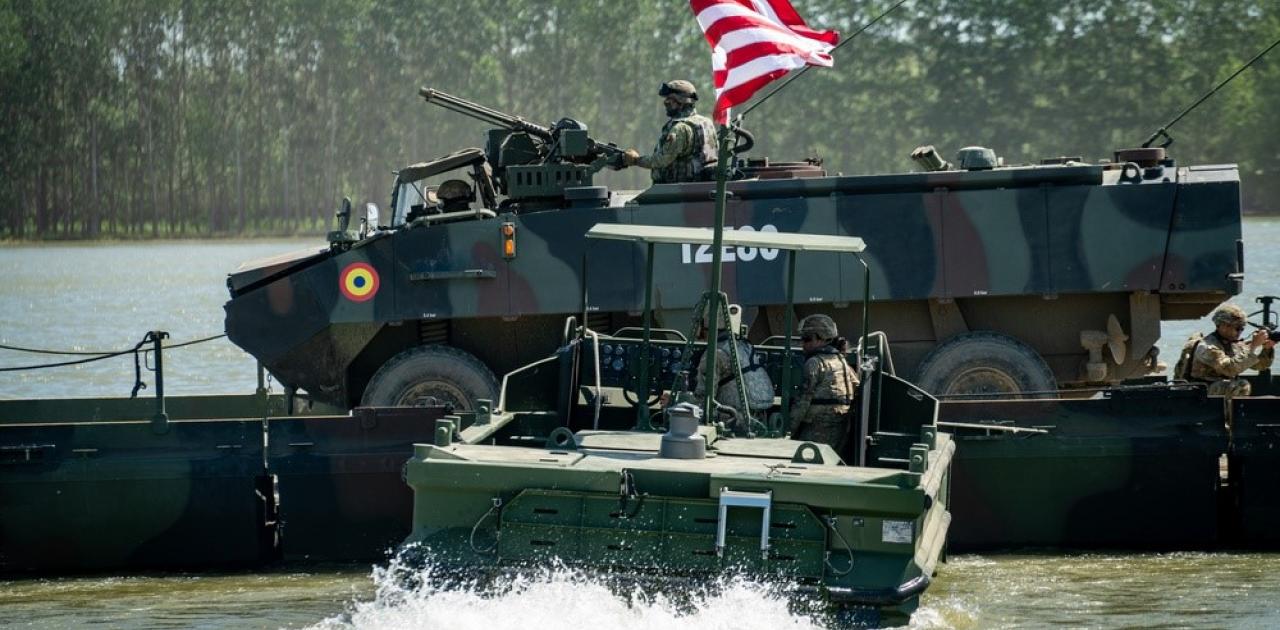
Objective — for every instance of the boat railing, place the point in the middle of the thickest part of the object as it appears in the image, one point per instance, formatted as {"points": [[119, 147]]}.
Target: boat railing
{"points": [[883, 351]]}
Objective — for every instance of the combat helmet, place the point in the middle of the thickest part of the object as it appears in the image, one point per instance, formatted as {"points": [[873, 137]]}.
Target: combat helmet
{"points": [[681, 89], [455, 190], [1228, 314], [820, 326]]}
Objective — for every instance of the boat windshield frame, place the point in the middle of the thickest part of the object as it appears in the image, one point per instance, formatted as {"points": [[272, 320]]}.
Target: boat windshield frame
{"points": [[791, 242]]}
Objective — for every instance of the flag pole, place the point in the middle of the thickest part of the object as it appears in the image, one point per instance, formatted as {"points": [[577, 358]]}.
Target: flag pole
{"points": [[723, 145]]}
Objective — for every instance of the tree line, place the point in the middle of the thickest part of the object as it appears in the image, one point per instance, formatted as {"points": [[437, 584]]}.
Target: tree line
{"points": [[160, 118]]}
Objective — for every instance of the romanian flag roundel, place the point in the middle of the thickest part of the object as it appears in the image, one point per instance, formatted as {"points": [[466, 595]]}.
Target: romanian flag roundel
{"points": [[358, 282]]}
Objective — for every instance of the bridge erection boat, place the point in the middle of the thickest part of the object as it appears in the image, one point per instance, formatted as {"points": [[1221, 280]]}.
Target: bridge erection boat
{"points": [[563, 470]]}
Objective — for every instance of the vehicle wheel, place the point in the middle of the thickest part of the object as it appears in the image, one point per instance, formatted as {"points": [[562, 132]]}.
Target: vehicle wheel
{"points": [[446, 374], [984, 363]]}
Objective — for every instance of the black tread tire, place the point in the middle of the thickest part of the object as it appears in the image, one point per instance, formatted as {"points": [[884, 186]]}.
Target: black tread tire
{"points": [[446, 373], [984, 362]]}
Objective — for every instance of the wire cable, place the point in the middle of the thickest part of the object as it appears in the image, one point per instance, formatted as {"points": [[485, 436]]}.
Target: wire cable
{"points": [[92, 356]]}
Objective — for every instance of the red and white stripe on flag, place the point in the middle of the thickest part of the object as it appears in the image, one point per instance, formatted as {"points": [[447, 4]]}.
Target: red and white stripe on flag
{"points": [[754, 42]]}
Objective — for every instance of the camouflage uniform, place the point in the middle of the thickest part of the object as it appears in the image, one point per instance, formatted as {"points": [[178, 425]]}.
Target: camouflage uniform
{"points": [[758, 389], [686, 147], [1220, 362], [820, 412]]}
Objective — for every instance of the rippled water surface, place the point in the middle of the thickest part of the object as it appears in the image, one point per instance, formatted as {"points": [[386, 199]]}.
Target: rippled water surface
{"points": [[105, 296], [1179, 590]]}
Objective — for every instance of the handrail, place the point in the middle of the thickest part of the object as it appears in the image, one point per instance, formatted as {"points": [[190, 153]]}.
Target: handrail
{"points": [[882, 350], [668, 331], [479, 213], [1057, 393], [794, 339], [502, 393], [991, 427], [570, 324], [595, 350]]}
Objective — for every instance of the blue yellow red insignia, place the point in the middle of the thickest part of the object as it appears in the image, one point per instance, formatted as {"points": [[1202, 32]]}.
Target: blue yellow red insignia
{"points": [[358, 282]]}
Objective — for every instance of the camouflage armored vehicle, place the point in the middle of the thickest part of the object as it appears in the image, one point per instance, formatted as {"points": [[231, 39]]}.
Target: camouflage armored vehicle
{"points": [[990, 278]]}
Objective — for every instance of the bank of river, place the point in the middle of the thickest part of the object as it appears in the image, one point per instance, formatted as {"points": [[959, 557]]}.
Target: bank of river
{"points": [[105, 296]]}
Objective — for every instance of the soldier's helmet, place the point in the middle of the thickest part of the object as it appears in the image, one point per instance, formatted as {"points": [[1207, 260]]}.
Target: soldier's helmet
{"points": [[455, 190], [820, 326], [1228, 314], [730, 320], [681, 89]]}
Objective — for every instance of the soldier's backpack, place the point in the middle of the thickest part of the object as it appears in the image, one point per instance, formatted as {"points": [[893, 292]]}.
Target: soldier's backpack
{"points": [[754, 374], [1182, 370], [756, 377]]}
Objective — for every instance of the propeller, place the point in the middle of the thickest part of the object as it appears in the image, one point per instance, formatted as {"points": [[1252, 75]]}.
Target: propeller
{"points": [[1116, 339]]}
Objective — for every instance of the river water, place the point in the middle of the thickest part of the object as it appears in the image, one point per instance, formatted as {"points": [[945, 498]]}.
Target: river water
{"points": [[91, 297]]}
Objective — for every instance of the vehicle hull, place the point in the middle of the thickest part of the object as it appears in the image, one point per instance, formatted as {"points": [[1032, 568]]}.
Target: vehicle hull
{"points": [[1039, 254]]}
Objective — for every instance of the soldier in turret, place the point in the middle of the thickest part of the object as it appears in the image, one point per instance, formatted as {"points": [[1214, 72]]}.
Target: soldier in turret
{"points": [[1222, 356], [820, 412], [686, 149], [453, 195]]}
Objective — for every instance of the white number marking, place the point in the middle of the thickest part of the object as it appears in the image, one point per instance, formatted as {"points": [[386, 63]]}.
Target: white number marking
{"points": [[702, 255]]}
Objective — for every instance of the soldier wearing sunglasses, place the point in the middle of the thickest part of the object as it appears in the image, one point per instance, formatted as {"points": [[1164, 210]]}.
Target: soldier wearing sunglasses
{"points": [[1222, 356], [820, 413]]}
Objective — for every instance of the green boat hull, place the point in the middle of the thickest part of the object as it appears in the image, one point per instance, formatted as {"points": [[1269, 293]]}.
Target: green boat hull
{"points": [[861, 538]]}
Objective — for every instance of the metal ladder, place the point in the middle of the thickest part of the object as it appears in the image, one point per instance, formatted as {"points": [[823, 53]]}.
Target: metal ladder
{"points": [[758, 500]]}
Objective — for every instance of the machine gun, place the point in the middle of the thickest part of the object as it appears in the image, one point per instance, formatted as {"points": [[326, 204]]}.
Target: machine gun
{"points": [[1268, 322], [533, 162]]}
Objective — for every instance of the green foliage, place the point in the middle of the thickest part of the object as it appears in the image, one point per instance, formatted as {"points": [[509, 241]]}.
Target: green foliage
{"points": [[133, 118]]}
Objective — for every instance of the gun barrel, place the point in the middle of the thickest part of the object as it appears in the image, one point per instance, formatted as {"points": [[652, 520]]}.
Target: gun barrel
{"points": [[480, 112]]}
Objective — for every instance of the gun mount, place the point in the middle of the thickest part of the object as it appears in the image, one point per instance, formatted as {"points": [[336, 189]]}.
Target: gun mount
{"points": [[531, 162]]}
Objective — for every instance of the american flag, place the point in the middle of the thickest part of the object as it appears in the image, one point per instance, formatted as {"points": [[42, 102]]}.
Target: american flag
{"points": [[754, 42]]}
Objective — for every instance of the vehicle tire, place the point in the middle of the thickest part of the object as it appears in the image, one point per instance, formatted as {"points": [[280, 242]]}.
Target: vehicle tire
{"points": [[984, 363], [447, 374]]}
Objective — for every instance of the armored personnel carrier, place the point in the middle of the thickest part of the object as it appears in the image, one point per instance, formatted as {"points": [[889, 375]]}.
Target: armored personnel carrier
{"points": [[990, 278]]}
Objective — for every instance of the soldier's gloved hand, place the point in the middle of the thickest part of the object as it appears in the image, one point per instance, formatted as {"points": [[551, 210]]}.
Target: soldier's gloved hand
{"points": [[630, 157], [1259, 338]]}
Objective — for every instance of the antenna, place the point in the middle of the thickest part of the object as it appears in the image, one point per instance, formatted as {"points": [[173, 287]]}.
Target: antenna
{"points": [[1162, 132], [805, 69]]}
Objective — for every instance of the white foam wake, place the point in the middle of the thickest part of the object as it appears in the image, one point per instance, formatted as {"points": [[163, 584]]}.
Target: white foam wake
{"points": [[559, 599]]}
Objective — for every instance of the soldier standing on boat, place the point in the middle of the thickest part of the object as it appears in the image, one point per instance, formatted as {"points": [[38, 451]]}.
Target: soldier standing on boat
{"points": [[820, 413], [1222, 355], [759, 386], [686, 149]]}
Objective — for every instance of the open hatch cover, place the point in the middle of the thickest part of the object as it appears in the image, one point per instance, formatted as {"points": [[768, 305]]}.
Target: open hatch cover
{"points": [[423, 170]]}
